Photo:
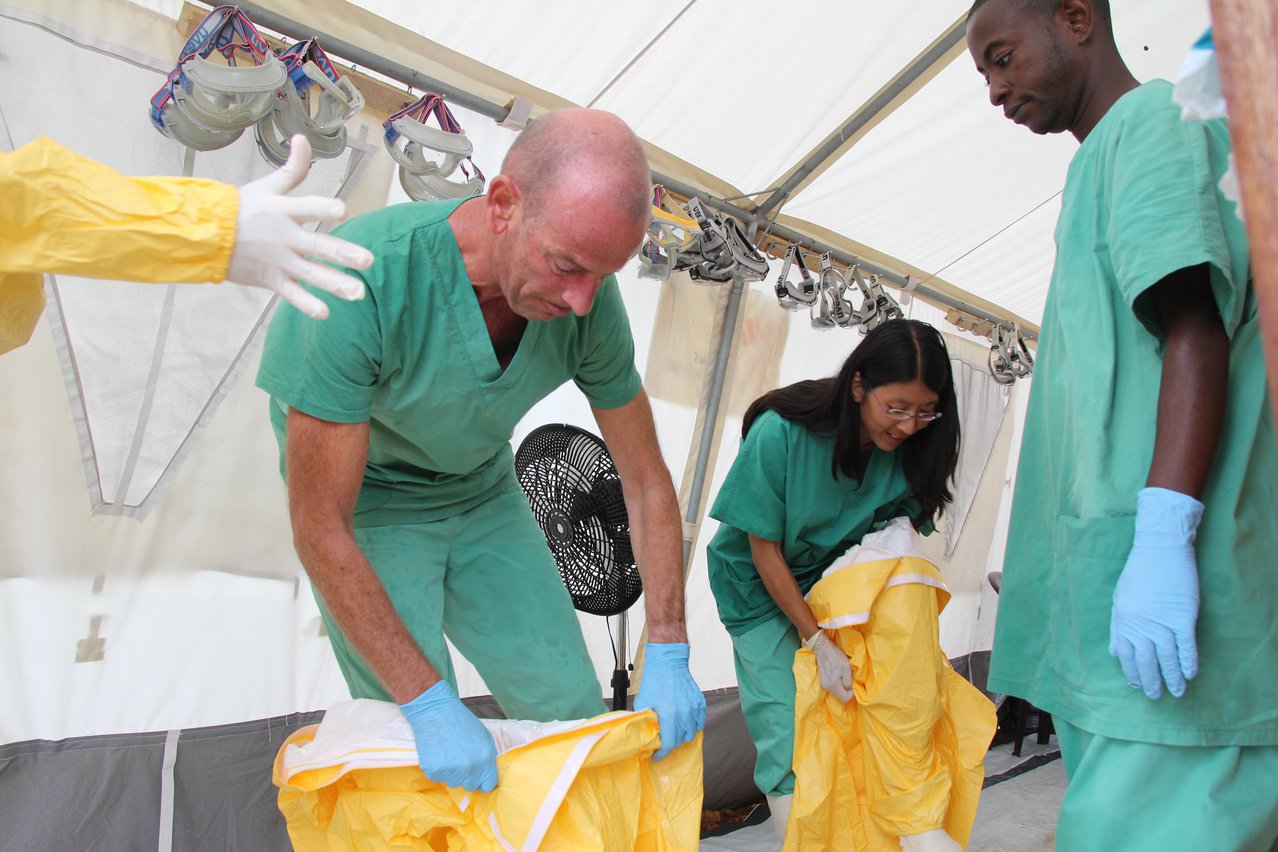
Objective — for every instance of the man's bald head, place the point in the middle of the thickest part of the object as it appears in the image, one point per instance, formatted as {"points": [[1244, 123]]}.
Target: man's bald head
{"points": [[580, 147]]}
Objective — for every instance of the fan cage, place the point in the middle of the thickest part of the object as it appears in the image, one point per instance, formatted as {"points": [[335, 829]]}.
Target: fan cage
{"points": [[575, 495]]}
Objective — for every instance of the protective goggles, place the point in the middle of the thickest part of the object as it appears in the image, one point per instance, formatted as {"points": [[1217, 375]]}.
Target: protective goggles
{"points": [[429, 156], [206, 104], [722, 251], [877, 306], [795, 296], [1000, 359], [316, 102]]}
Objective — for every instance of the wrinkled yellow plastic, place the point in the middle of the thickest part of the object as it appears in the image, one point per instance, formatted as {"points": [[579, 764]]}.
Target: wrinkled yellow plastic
{"points": [[618, 799], [905, 755], [64, 213]]}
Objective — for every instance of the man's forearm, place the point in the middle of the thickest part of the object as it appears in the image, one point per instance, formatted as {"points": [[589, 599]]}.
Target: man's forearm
{"points": [[656, 535], [357, 601], [1195, 385]]}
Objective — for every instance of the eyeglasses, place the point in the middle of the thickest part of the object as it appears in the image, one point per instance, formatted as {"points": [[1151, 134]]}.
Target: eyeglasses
{"points": [[902, 414]]}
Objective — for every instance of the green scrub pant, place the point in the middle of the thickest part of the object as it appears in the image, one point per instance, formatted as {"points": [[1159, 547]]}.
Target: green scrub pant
{"points": [[764, 659], [1143, 796], [487, 581]]}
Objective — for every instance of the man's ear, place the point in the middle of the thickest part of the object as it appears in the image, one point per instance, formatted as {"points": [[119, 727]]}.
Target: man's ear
{"points": [[1079, 17], [505, 203]]}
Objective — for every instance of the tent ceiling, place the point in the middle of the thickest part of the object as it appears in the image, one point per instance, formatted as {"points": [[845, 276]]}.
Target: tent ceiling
{"points": [[733, 96]]}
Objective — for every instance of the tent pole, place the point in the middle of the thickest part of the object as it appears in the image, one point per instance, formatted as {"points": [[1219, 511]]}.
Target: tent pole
{"points": [[924, 66], [709, 423], [1245, 34]]}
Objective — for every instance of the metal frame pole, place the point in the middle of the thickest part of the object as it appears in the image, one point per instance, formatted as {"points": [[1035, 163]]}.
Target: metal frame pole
{"points": [[714, 397]]}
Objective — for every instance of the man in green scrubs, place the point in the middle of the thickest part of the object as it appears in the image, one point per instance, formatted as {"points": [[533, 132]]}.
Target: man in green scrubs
{"points": [[1148, 470], [394, 422]]}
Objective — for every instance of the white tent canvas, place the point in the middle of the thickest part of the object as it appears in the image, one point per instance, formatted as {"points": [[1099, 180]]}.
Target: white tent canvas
{"points": [[147, 577]]}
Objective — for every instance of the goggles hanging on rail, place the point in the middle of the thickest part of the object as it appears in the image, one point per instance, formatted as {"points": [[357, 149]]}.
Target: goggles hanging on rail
{"points": [[722, 250], [668, 237], [1000, 361], [878, 307], [795, 297], [429, 156], [1018, 354], [315, 101], [824, 311], [225, 80]]}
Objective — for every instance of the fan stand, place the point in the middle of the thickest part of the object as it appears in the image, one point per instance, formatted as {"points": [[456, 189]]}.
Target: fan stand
{"points": [[621, 674]]}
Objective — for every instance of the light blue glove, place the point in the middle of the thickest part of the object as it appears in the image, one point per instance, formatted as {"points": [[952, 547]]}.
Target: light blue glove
{"points": [[453, 747], [1151, 629], [669, 689]]}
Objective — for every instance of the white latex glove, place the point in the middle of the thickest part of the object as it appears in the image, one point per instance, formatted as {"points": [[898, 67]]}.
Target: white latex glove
{"points": [[272, 249], [833, 667]]}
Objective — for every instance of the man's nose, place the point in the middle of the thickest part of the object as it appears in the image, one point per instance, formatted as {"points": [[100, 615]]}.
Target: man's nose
{"points": [[579, 293], [998, 91]]}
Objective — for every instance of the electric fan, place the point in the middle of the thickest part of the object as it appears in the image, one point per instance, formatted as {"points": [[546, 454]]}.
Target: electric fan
{"points": [[574, 492]]}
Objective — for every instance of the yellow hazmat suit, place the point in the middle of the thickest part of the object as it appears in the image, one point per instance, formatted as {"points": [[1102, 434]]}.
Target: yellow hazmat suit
{"points": [[905, 755], [353, 783], [66, 213]]}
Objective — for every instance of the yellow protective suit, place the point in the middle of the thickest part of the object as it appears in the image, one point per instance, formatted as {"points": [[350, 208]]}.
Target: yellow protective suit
{"points": [[905, 755], [353, 783], [65, 213]]}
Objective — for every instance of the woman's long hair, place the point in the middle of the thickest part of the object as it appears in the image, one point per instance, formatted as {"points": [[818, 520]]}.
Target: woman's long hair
{"points": [[896, 351]]}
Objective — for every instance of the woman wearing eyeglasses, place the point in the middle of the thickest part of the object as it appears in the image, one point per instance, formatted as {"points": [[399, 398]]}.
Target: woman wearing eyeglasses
{"points": [[822, 463]]}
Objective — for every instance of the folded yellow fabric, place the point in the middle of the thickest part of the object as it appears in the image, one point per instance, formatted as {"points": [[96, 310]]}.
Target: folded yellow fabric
{"points": [[353, 783], [64, 213], [905, 756]]}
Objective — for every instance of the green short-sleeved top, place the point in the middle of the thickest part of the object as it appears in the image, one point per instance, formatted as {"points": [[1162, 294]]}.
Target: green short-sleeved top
{"points": [[1141, 201], [780, 488], [414, 358]]}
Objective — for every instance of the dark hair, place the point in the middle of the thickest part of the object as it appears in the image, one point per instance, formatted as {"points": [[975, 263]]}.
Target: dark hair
{"points": [[897, 351], [1049, 7]]}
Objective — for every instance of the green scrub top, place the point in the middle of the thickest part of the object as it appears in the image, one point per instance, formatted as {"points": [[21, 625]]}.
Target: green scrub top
{"points": [[780, 488], [1140, 202], [415, 359]]}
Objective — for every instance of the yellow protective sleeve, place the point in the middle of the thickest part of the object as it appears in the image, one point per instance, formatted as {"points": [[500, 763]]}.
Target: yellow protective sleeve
{"points": [[592, 787], [905, 755], [64, 213]]}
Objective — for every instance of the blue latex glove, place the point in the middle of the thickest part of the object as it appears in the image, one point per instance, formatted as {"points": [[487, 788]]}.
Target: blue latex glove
{"points": [[669, 689], [453, 747], [1151, 629]]}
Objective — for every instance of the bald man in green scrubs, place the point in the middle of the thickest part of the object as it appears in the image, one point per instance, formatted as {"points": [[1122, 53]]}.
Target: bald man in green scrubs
{"points": [[394, 422]]}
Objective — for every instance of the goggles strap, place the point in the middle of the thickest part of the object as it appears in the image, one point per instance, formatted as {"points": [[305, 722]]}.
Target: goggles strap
{"points": [[296, 57], [218, 31]]}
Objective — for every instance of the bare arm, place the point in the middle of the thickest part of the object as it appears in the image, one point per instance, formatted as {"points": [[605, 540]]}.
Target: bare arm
{"points": [[656, 531], [779, 580], [325, 470], [1195, 383]]}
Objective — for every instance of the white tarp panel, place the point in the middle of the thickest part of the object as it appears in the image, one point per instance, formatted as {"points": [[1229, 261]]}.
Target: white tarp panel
{"points": [[948, 185], [201, 614]]}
